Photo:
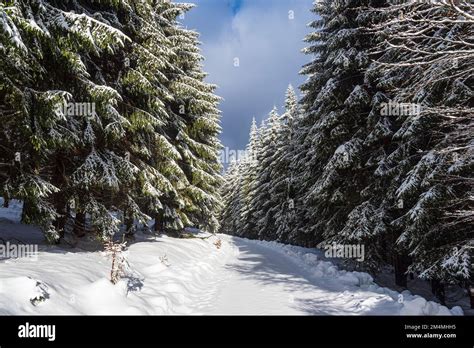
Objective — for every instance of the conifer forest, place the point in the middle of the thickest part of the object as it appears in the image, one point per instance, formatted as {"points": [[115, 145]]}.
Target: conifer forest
{"points": [[111, 138]]}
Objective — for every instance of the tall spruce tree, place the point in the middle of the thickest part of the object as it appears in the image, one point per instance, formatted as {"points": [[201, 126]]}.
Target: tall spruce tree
{"points": [[249, 179], [431, 165], [336, 105], [193, 129], [231, 204], [136, 154], [262, 201], [282, 188], [41, 132]]}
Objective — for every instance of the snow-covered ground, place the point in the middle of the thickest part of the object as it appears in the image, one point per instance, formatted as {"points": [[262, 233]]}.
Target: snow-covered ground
{"points": [[192, 276]]}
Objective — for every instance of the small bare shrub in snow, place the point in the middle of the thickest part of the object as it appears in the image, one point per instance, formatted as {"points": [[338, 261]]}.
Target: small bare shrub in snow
{"points": [[164, 260], [115, 250], [218, 243], [42, 294]]}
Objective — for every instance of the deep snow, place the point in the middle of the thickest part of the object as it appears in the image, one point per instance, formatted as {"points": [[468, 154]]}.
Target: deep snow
{"points": [[192, 276]]}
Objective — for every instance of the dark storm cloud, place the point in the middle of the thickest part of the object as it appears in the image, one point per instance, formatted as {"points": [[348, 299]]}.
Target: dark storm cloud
{"points": [[264, 38]]}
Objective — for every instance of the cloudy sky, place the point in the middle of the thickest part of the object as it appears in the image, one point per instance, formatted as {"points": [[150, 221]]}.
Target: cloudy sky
{"points": [[252, 50]]}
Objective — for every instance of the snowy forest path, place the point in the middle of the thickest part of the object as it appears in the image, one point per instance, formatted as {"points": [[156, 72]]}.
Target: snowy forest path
{"points": [[264, 280], [219, 275]]}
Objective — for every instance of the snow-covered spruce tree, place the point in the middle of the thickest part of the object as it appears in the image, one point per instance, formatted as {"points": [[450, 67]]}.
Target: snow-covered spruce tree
{"points": [[250, 165], [262, 200], [260, 183], [147, 99], [120, 57], [282, 190], [298, 174], [250, 210], [231, 212], [428, 62], [365, 204], [193, 129], [111, 173], [332, 156], [49, 44]]}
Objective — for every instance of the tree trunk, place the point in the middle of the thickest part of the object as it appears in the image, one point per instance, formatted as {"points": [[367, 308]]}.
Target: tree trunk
{"points": [[80, 224], [26, 212], [60, 199], [401, 267], [60, 222], [6, 200], [158, 227], [437, 288], [129, 226], [471, 295]]}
